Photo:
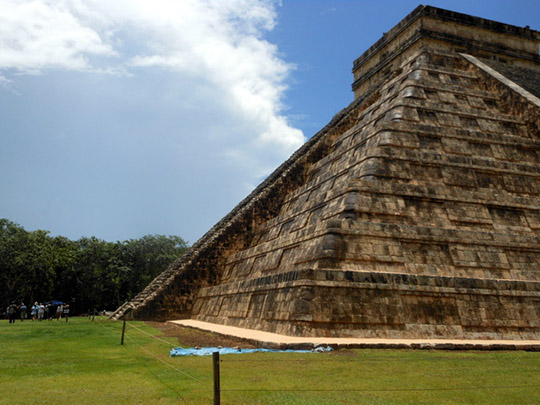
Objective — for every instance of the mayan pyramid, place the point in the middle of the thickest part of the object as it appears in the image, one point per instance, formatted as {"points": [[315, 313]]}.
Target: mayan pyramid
{"points": [[415, 213]]}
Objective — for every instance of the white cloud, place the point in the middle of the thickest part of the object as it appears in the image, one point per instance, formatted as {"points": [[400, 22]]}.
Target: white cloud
{"points": [[41, 34], [7, 84], [212, 41], [328, 11]]}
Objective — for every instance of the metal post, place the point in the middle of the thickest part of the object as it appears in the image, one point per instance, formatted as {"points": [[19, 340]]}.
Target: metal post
{"points": [[215, 358], [123, 332]]}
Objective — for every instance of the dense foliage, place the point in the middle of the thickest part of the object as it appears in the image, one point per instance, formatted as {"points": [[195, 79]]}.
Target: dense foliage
{"points": [[88, 273]]}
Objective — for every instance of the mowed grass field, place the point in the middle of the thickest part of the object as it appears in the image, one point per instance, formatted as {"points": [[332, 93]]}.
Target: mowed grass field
{"points": [[82, 362]]}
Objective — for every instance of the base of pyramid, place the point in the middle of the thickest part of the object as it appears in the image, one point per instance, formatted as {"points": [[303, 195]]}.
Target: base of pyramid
{"points": [[315, 303], [283, 342]]}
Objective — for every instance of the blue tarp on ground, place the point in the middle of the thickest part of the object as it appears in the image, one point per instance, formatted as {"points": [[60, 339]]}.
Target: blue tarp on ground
{"points": [[207, 351]]}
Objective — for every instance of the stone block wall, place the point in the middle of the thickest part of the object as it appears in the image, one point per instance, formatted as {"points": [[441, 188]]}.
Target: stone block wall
{"points": [[377, 305], [436, 179]]}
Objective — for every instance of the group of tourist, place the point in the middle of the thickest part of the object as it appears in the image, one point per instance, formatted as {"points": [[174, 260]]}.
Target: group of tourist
{"points": [[37, 311]]}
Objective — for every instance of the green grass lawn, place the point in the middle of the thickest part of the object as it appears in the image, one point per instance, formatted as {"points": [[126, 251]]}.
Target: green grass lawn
{"points": [[82, 362]]}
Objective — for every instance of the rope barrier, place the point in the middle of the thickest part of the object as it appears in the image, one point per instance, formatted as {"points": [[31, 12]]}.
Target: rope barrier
{"points": [[155, 337], [178, 394], [152, 336], [163, 361], [385, 390], [378, 359], [150, 353], [102, 324], [362, 359]]}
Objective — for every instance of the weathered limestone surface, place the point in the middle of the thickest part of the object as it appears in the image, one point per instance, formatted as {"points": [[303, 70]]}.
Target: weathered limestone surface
{"points": [[414, 214]]}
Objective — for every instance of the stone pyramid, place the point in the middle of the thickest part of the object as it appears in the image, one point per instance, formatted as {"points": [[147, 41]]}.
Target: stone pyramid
{"points": [[415, 213]]}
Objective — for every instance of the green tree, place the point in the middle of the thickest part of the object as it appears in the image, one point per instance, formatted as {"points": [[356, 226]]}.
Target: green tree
{"points": [[88, 273], [148, 257], [26, 264], [65, 266]]}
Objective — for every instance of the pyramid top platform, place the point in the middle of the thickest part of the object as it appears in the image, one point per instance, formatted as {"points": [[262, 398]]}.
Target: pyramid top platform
{"points": [[444, 30]]}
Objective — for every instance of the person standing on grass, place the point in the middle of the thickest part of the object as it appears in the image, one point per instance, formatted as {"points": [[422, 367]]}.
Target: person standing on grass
{"points": [[41, 311], [66, 311], [59, 310], [23, 310], [12, 312], [34, 311]]}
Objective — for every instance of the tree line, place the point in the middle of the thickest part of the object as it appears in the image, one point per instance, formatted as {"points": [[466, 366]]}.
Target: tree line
{"points": [[90, 273]]}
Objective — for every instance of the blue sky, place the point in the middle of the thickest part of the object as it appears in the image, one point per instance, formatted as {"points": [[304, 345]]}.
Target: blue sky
{"points": [[127, 118]]}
